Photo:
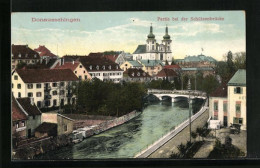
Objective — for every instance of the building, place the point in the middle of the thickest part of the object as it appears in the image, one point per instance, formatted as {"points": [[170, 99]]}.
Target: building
{"points": [[102, 68], [168, 74], [152, 67], [24, 54], [47, 87], [196, 61], [64, 124], [119, 58], [228, 102], [33, 115], [45, 53], [76, 67], [136, 75], [175, 67], [19, 119], [153, 50], [237, 99], [192, 71], [131, 64], [218, 105]]}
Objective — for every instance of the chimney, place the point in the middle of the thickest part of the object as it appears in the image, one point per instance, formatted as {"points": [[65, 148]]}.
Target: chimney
{"points": [[31, 101]]}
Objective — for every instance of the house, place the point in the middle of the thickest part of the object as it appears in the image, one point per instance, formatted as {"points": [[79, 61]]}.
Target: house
{"points": [[33, 115], [218, 105], [131, 64], [152, 67], [136, 75], [47, 87], [228, 102], [76, 67], [24, 54], [196, 61], [152, 50], [64, 124], [168, 74], [102, 68], [19, 119], [237, 99], [192, 71], [45, 53], [175, 67]]}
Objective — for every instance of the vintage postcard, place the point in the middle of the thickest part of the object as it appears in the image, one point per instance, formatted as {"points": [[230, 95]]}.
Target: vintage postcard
{"points": [[101, 85]]}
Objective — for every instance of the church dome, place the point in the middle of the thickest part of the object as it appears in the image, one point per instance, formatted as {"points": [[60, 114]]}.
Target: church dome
{"points": [[166, 36], [151, 35]]}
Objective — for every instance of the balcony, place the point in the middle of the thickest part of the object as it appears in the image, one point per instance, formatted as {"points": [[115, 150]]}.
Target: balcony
{"points": [[47, 97], [20, 129]]}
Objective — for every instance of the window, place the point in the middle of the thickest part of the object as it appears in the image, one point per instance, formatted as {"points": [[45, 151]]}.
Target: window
{"points": [[152, 47], [54, 84], [103, 67], [109, 67], [65, 128], [12, 85], [225, 106], [39, 104], [19, 94], [238, 108], [30, 86], [18, 86], [80, 78], [238, 90], [97, 67], [38, 85], [23, 123], [61, 83], [15, 77], [17, 125], [75, 72], [62, 92], [30, 94], [38, 94], [216, 106], [54, 92], [84, 71], [90, 67], [237, 120], [125, 64], [80, 66], [34, 117], [54, 102], [86, 77]]}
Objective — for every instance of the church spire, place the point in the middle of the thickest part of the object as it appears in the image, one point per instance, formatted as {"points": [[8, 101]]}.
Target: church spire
{"points": [[166, 36], [151, 35]]}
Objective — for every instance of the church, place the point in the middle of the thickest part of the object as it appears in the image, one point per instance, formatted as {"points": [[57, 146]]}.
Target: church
{"points": [[153, 50]]}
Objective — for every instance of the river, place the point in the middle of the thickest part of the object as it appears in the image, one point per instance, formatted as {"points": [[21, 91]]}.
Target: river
{"points": [[127, 140]]}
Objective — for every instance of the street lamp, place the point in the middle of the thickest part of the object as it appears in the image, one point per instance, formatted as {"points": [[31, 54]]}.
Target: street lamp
{"points": [[189, 89]]}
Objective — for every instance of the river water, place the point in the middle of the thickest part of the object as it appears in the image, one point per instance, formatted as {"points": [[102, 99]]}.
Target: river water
{"points": [[127, 140]]}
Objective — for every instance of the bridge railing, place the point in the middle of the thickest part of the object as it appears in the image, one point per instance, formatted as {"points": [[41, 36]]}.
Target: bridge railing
{"points": [[181, 92]]}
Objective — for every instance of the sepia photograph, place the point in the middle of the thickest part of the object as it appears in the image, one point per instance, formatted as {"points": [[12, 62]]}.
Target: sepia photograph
{"points": [[120, 85]]}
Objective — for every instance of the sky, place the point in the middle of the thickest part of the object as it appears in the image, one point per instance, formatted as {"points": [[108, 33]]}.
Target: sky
{"points": [[124, 31]]}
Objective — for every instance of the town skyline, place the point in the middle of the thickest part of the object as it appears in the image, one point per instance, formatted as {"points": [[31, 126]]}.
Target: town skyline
{"points": [[105, 31]]}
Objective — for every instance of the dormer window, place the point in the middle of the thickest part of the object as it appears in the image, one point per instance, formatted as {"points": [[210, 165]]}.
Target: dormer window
{"points": [[90, 67], [34, 55], [109, 67], [97, 67], [133, 74], [143, 73], [116, 67], [26, 55], [103, 67], [19, 55], [138, 73]]}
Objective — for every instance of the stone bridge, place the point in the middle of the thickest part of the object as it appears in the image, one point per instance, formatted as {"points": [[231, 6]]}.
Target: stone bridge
{"points": [[177, 95]]}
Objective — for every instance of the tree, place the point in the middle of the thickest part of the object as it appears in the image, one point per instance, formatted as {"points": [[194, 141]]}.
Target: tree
{"points": [[194, 135], [240, 60], [230, 63], [210, 83]]}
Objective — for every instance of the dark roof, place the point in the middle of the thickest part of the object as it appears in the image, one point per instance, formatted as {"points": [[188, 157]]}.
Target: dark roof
{"points": [[46, 128], [17, 113], [167, 73], [43, 51], [136, 73], [221, 91], [111, 57], [99, 62], [70, 58], [140, 49], [99, 54], [30, 109], [24, 52], [239, 79], [46, 75], [172, 66], [67, 65], [42, 65]]}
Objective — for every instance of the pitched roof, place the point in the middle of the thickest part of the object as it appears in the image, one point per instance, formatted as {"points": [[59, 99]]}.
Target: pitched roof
{"points": [[67, 65], [239, 79], [172, 66], [98, 54], [111, 57], [43, 51], [221, 91], [46, 75], [42, 65], [151, 63], [17, 113], [46, 127], [136, 73], [97, 63], [24, 52], [199, 58], [30, 109], [70, 58], [140, 49], [167, 73], [135, 63]]}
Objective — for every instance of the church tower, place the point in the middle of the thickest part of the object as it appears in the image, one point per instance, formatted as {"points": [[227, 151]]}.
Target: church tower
{"points": [[167, 52], [151, 44]]}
